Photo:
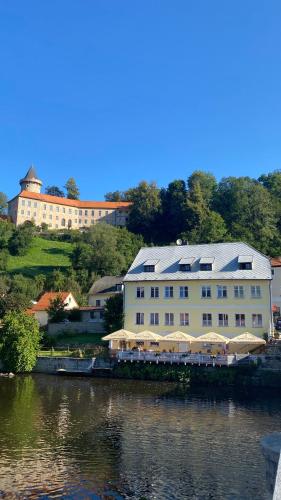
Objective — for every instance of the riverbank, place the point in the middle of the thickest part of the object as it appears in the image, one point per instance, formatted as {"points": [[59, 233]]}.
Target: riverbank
{"points": [[243, 376]]}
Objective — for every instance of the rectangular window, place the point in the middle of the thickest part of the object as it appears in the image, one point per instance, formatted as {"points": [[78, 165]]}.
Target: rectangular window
{"points": [[44, 216], [185, 267], [86, 222], [28, 213], [206, 292], [45, 207], [86, 213], [140, 292], [92, 221], [99, 213], [35, 204], [169, 319], [206, 267], [80, 212], [80, 221], [154, 292], [238, 292], [57, 209], [184, 319], [256, 292], [57, 217], [183, 292], [23, 202], [50, 217], [29, 203], [222, 319], [149, 269], [239, 319], [206, 319], [245, 265], [51, 208], [169, 292], [98, 303], [93, 213], [256, 320], [106, 212], [222, 291], [34, 214], [139, 318], [70, 210], [154, 318], [63, 209]]}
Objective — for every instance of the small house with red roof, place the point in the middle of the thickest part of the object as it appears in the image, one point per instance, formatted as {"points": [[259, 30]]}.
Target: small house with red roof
{"points": [[40, 308]]}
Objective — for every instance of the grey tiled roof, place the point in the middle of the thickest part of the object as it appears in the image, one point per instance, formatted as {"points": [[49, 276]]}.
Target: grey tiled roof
{"points": [[106, 284], [30, 174], [225, 263]]}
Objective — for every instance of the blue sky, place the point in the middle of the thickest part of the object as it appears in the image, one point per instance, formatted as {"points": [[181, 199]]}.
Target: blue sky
{"points": [[116, 91]]}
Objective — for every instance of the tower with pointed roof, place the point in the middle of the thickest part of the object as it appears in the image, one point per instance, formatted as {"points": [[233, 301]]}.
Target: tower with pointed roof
{"points": [[31, 182]]}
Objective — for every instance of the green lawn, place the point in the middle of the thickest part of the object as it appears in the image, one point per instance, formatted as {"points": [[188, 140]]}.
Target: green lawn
{"points": [[80, 339], [43, 257]]}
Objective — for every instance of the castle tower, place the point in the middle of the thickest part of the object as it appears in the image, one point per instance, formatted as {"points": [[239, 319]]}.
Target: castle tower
{"points": [[31, 182]]}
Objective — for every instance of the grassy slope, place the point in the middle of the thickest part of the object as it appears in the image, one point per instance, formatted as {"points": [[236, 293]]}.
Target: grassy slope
{"points": [[43, 257]]}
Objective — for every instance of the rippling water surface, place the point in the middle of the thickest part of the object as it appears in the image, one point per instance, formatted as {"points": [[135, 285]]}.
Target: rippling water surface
{"points": [[82, 438]]}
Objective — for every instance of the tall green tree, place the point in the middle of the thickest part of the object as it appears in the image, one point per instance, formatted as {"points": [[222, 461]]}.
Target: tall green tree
{"points": [[145, 209], [56, 310], [172, 219], [247, 209], [72, 189], [20, 342], [3, 203], [207, 183], [54, 191], [113, 313]]}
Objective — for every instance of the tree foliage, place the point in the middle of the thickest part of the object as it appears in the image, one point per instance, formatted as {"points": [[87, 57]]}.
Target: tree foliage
{"points": [[21, 239], [72, 189], [20, 340], [113, 313], [54, 191], [56, 310], [3, 203]]}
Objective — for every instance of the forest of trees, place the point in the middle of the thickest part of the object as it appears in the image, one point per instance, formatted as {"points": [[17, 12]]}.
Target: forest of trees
{"points": [[202, 210]]}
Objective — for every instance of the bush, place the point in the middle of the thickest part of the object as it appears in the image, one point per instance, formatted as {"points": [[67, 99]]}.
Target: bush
{"points": [[20, 339]]}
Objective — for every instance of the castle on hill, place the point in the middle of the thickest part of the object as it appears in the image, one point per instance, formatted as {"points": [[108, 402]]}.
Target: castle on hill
{"points": [[60, 213]]}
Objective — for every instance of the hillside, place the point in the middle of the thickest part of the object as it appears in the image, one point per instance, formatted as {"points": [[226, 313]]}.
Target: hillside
{"points": [[43, 257]]}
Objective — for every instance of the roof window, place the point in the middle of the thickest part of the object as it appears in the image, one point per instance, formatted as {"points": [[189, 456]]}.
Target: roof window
{"points": [[206, 263], [149, 265], [245, 262], [185, 264]]}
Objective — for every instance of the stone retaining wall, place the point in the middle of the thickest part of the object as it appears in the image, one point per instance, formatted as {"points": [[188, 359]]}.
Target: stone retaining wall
{"points": [[75, 327], [50, 364]]}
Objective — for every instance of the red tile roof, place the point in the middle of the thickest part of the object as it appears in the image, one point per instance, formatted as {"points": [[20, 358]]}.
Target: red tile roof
{"points": [[44, 302], [275, 262], [75, 203]]}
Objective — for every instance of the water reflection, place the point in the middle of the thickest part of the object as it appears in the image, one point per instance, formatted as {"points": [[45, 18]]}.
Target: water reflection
{"points": [[87, 438]]}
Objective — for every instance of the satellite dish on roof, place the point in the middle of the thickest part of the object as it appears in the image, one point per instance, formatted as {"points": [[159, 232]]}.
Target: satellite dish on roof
{"points": [[179, 242]]}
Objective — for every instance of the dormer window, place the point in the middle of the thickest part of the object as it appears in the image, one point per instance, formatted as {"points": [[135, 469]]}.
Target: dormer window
{"points": [[245, 262], [149, 265], [185, 264], [206, 263]]}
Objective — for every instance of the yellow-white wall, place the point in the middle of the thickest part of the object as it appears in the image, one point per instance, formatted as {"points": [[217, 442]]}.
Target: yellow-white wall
{"points": [[22, 209], [276, 286], [195, 306], [99, 296]]}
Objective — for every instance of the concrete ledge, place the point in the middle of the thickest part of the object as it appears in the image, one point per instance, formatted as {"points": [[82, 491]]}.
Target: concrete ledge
{"points": [[51, 364], [271, 447]]}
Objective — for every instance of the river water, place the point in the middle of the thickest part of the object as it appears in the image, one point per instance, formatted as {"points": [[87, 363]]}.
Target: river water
{"points": [[85, 438]]}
